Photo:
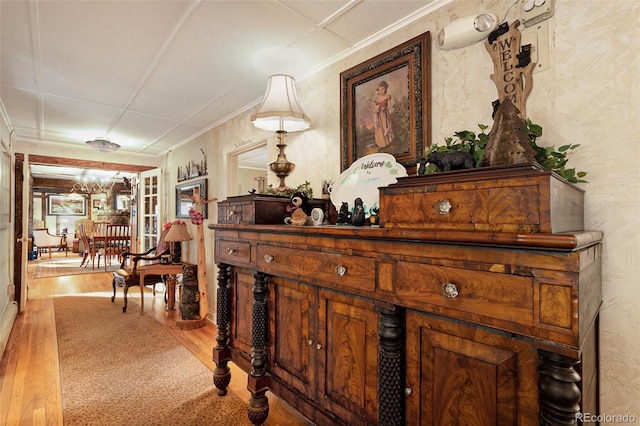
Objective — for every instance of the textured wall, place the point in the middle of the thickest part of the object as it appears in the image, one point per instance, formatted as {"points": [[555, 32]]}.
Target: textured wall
{"points": [[589, 95]]}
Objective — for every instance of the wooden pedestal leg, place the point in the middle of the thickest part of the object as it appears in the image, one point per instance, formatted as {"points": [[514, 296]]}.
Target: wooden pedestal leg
{"points": [[390, 368], [221, 352], [559, 392], [258, 410]]}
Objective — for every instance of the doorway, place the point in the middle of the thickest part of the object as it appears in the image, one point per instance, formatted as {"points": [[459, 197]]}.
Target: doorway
{"points": [[247, 169]]}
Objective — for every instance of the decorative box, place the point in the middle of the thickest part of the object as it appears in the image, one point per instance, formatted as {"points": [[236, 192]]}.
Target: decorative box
{"points": [[260, 209], [522, 198]]}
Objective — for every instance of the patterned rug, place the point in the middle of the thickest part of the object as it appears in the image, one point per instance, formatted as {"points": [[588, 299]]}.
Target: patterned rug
{"points": [[61, 266], [126, 369]]}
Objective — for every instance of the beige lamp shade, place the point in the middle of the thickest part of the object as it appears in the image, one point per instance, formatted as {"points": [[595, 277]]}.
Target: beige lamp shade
{"points": [[178, 232], [280, 109]]}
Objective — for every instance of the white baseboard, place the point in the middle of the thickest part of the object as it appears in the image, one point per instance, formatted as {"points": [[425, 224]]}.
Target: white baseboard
{"points": [[6, 324]]}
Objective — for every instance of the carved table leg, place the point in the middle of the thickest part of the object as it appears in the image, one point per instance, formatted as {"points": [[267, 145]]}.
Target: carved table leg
{"points": [[559, 392], [258, 410], [222, 353], [390, 368]]}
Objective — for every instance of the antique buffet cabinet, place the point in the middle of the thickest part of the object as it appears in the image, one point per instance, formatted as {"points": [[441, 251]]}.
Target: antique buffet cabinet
{"points": [[475, 303]]}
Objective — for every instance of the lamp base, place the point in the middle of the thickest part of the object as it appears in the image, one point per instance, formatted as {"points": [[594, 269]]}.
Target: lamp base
{"points": [[281, 167]]}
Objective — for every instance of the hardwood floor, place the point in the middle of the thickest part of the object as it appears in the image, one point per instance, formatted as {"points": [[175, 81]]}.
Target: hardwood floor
{"points": [[30, 390]]}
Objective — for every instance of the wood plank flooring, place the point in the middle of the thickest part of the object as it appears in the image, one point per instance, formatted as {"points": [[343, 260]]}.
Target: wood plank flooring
{"points": [[30, 389]]}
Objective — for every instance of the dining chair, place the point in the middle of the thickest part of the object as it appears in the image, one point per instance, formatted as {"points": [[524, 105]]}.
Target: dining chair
{"points": [[89, 248], [127, 276], [117, 241]]}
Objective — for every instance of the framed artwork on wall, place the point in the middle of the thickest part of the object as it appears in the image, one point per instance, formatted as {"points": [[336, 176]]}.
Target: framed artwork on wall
{"points": [[385, 105], [66, 205], [184, 197]]}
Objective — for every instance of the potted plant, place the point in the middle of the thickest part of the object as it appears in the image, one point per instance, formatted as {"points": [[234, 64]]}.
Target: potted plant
{"points": [[475, 143]]}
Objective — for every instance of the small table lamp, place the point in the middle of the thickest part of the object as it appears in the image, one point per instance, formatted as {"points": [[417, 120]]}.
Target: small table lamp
{"points": [[177, 233]]}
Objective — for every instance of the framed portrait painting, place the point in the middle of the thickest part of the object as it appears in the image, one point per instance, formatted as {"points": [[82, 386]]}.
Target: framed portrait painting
{"points": [[385, 105]]}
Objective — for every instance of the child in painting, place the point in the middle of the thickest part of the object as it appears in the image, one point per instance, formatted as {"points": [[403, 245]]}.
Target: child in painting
{"points": [[382, 116]]}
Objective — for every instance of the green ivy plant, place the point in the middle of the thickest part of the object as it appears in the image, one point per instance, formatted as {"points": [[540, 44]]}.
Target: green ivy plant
{"points": [[289, 191], [475, 143]]}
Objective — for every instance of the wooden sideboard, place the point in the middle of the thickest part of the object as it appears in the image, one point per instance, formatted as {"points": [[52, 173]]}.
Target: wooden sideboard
{"points": [[390, 326]]}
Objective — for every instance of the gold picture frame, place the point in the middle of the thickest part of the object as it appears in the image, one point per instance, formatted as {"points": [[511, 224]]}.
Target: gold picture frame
{"points": [[385, 105]]}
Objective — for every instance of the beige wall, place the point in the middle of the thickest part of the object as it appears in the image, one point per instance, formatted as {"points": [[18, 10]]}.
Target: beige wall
{"points": [[589, 95]]}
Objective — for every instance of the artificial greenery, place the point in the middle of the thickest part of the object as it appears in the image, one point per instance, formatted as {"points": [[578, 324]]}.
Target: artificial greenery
{"points": [[475, 143], [287, 191]]}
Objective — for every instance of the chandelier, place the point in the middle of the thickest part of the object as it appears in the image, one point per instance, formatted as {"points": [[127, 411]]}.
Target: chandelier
{"points": [[94, 185], [103, 145]]}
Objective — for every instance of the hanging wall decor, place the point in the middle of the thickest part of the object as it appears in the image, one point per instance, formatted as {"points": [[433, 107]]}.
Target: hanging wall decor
{"points": [[193, 169], [385, 104]]}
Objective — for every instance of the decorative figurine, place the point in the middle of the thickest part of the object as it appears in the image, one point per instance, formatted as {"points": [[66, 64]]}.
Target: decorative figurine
{"points": [[190, 301], [373, 217], [508, 142], [344, 215], [454, 160], [357, 217]]}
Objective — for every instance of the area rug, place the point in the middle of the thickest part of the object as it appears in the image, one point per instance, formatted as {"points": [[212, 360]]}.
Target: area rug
{"points": [[127, 369], [68, 266]]}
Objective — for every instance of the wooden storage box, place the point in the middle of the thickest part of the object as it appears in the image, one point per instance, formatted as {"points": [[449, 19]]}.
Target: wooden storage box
{"points": [[260, 209], [523, 198]]}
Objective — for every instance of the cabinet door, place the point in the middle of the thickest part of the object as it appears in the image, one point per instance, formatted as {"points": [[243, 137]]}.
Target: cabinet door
{"points": [[348, 357], [241, 305], [460, 374], [292, 340]]}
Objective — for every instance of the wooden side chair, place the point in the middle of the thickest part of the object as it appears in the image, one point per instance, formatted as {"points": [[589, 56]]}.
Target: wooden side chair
{"points": [[127, 277], [117, 242], [89, 248]]}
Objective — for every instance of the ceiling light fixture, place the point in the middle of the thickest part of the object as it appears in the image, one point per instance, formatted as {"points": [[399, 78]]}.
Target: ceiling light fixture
{"points": [[103, 145], [281, 112]]}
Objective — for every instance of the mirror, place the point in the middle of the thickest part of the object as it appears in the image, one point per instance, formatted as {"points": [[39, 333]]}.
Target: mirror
{"points": [[184, 197]]}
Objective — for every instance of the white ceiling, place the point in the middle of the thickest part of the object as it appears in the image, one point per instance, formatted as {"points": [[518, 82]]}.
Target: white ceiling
{"points": [[151, 75]]}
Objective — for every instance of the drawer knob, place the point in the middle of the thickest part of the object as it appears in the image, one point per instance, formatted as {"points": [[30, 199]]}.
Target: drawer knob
{"points": [[310, 342], [319, 346], [443, 207], [268, 258], [450, 290], [231, 251], [341, 271]]}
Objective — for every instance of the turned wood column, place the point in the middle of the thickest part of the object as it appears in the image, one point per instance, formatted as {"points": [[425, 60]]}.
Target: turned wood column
{"points": [[258, 410], [390, 367], [559, 392], [221, 352]]}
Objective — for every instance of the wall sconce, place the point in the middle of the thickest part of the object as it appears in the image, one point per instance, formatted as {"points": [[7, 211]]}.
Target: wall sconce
{"points": [[466, 31], [281, 112]]}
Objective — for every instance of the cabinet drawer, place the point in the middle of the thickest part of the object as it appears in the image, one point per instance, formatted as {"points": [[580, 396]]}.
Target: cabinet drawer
{"points": [[522, 198], [233, 252], [347, 272], [233, 213], [455, 291]]}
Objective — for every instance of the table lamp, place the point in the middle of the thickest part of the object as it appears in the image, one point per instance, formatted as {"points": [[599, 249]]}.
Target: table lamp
{"points": [[281, 112], [177, 233]]}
